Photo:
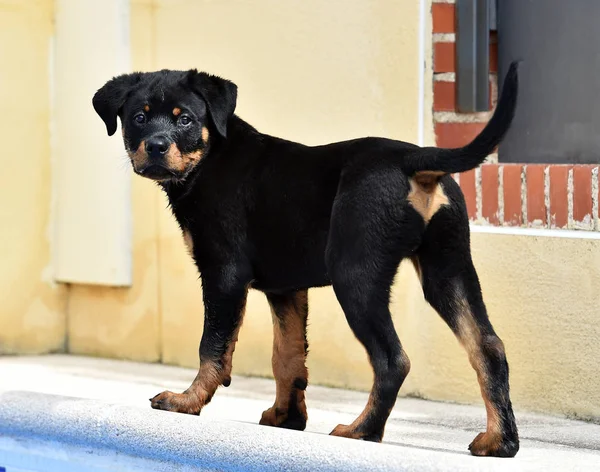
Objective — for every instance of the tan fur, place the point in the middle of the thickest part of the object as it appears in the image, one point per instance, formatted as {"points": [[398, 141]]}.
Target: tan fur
{"points": [[470, 337], [176, 111], [289, 358], [196, 396], [353, 431], [146, 108], [417, 266], [138, 158], [228, 357], [191, 159], [189, 242], [181, 162], [204, 134], [175, 159], [426, 195], [210, 376]]}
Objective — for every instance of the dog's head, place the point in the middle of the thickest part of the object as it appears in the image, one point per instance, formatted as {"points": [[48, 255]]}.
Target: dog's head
{"points": [[168, 118]]}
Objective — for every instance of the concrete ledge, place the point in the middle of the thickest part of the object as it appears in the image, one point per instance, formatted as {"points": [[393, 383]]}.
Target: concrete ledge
{"points": [[68, 413], [170, 441]]}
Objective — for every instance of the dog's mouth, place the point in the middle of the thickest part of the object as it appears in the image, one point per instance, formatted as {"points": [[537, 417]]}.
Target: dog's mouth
{"points": [[157, 172]]}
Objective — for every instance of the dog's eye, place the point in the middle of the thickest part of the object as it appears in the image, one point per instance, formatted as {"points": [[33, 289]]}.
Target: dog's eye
{"points": [[140, 118], [185, 120]]}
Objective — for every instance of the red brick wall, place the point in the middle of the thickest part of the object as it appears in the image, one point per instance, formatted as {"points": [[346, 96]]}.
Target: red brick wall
{"points": [[453, 129], [532, 195]]}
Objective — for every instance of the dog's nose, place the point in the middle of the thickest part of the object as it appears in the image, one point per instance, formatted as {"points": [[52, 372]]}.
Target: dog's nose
{"points": [[157, 146]]}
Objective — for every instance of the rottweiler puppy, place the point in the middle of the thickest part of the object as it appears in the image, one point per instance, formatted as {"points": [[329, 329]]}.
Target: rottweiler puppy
{"points": [[261, 212]]}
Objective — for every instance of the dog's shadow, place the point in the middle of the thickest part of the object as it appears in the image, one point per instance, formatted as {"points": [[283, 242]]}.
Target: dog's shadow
{"points": [[391, 443]]}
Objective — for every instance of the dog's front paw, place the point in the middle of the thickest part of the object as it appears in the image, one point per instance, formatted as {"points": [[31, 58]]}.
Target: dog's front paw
{"points": [[488, 444], [179, 402]]}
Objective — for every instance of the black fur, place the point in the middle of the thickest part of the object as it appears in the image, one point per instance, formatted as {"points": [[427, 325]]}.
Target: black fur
{"points": [[279, 216]]}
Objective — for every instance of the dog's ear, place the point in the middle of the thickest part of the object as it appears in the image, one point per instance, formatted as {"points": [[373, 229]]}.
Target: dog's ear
{"points": [[219, 94], [109, 100]]}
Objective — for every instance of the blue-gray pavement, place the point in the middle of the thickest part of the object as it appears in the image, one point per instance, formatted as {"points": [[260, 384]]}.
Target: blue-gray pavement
{"points": [[74, 413]]}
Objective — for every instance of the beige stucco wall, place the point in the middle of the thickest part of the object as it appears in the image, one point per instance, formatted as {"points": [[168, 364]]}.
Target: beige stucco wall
{"points": [[542, 297], [32, 314], [125, 322]]}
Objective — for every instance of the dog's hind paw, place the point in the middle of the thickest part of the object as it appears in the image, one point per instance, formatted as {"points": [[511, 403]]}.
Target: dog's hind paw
{"points": [[349, 431], [487, 444]]}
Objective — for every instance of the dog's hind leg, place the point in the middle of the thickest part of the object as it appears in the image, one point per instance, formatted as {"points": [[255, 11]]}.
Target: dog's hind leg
{"points": [[451, 286], [371, 232], [365, 304], [290, 312]]}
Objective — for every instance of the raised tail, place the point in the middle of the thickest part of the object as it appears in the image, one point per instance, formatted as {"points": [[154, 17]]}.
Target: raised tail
{"points": [[448, 161]]}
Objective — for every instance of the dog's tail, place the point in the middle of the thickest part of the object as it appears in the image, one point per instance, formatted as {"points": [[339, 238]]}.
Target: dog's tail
{"points": [[439, 161]]}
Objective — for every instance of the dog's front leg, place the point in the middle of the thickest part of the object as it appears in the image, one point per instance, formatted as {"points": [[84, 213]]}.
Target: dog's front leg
{"points": [[224, 303]]}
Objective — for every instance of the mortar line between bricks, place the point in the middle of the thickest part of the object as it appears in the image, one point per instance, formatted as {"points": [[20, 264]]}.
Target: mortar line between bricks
{"points": [[570, 200], [455, 117], [444, 77], [501, 195], [478, 195], [444, 37], [595, 198], [547, 196], [524, 215]]}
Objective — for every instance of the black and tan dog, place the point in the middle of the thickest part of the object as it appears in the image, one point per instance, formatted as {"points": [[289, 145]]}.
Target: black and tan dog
{"points": [[261, 212]]}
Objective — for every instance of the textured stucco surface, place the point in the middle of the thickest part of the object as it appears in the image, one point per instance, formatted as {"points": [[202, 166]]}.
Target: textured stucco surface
{"points": [[32, 315]]}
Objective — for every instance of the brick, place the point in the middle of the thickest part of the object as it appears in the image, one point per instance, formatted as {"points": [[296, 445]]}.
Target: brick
{"points": [[444, 57], [443, 16], [536, 197], [582, 192], [559, 190], [453, 135], [489, 193], [468, 186], [444, 96], [511, 182]]}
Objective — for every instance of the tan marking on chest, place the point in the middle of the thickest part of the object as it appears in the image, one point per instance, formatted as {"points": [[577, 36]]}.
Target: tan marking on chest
{"points": [[426, 196], [189, 242]]}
